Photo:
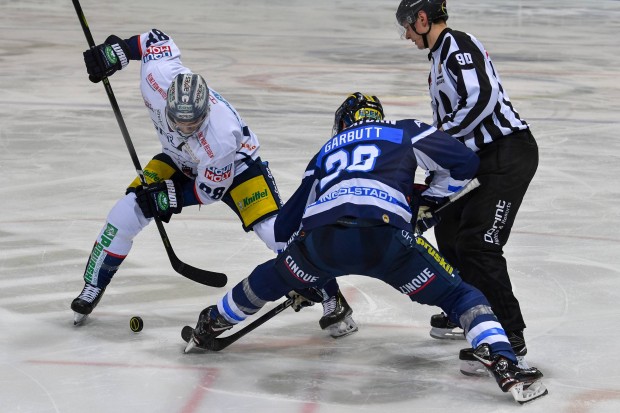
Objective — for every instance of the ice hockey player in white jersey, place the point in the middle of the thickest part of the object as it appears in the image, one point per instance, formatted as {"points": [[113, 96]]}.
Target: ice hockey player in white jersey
{"points": [[353, 214], [208, 154]]}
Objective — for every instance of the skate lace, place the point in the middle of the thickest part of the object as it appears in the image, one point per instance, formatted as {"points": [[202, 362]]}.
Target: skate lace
{"points": [[90, 293], [329, 306]]}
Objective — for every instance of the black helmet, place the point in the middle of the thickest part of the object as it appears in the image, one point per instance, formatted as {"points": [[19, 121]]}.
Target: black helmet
{"points": [[356, 107], [187, 101], [408, 11]]}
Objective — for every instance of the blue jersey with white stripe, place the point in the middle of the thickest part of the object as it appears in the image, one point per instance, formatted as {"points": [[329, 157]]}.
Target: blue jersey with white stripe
{"points": [[367, 171]]}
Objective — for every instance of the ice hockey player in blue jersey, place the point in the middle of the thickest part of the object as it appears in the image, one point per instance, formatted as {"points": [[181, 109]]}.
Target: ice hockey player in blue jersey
{"points": [[352, 214]]}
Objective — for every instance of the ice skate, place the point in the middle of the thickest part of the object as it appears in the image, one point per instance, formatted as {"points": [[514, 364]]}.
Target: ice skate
{"points": [[470, 366], [86, 302], [337, 317], [444, 329], [524, 384], [210, 325]]}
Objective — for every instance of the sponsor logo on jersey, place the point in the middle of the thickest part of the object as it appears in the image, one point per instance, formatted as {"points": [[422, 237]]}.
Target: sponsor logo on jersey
{"points": [[418, 283], [254, 198], [205, 144], [297, 272], [214, 174], [107, 236], [248, 146], [155, 86], [502, 211], [156, 53], [436, 255]]}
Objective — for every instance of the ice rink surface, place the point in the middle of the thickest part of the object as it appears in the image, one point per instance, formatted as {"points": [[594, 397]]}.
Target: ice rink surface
{"points": [[286, 66]]}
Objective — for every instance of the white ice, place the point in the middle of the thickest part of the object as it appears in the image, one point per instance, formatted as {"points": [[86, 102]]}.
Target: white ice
{"points": [[286, 65]]}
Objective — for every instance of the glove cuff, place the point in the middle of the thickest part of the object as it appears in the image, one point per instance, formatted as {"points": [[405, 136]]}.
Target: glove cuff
{"points": [[120, 53]]}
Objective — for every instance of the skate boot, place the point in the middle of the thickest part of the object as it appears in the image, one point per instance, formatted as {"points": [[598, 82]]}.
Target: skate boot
{"points": [[442, 328], [337, 317], [86, 302], [470, 366], [524, 384], [210, 325]]}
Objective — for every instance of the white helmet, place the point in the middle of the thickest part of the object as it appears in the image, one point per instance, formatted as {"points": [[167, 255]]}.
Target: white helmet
{"points": [[187, 104]]}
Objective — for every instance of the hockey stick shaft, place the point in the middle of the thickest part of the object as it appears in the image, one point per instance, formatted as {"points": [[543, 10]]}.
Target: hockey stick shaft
{"points": [[222, 342], [471, 185], [213, 279]]}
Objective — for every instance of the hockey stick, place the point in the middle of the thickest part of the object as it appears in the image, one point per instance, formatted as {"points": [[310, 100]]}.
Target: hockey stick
{"points": [[471, 185], [220, 343], [210, 278]]}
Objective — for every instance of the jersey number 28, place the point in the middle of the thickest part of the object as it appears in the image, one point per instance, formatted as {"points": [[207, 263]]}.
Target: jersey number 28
{"points": [[362, 158]]}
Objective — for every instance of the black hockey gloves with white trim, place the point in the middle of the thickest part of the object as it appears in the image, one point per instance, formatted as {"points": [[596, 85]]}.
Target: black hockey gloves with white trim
{"points": [[422, 208], [105, 59], [160, 199], [305, 297]]}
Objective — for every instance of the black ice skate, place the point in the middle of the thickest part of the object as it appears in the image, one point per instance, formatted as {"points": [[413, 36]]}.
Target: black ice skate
{"points": [[444, 329], [470, 366], [524, 384], [337, 317], [210, 325], [86, 302]]}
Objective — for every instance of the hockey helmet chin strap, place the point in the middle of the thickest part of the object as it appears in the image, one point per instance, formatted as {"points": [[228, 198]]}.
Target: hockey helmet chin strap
{"points": [[424, 35]]}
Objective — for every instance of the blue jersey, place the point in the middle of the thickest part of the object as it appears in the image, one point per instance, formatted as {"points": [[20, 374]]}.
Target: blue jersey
{"points": [[367, 171]]}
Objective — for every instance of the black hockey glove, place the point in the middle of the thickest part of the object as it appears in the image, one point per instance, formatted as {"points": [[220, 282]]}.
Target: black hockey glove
{"points": [[305, 297], [422, 208], [105, 59], [160, 199]]}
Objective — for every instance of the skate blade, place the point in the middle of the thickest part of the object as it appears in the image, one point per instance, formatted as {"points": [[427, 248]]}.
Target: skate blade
{"points": [[343, 328], [473, 368], [79, 318], [524, 393], [191, 345], [447, 334]]}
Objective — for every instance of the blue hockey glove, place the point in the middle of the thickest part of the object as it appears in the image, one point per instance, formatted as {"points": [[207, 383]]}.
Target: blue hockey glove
{"points": [[160, 199], [105, 59]]}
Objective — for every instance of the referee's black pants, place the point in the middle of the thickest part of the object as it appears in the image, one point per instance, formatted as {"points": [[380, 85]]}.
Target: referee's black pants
{"points": [[473, 231]]}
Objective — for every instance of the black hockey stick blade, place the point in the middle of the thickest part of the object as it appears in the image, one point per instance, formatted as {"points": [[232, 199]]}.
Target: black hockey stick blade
{"points": [[204, 277], [220, 343]]}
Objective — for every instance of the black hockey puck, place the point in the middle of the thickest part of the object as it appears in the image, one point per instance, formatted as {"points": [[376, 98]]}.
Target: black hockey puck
{"points": [[136, 324]]}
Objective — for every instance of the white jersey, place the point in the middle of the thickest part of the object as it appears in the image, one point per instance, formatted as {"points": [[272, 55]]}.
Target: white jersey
{"points": [[219, 150]]}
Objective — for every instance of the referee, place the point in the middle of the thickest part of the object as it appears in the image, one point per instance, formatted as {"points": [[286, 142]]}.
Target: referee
{"points": [[470, 103]]}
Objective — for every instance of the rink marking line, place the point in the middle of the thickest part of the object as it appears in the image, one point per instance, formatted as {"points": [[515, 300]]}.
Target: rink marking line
{"points": [[124, 365], [199, 393]]}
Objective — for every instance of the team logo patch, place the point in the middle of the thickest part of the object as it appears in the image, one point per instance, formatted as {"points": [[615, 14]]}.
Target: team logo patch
{"points": [[163, 203]]}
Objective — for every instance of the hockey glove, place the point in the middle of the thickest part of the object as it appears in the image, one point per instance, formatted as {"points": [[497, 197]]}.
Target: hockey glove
{"points": [[160, 199], [305, 298], [425, 219], [423, 207], [105, 59]]}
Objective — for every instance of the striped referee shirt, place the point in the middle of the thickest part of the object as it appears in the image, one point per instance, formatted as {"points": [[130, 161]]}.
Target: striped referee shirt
{"points": [[468, 99]]}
